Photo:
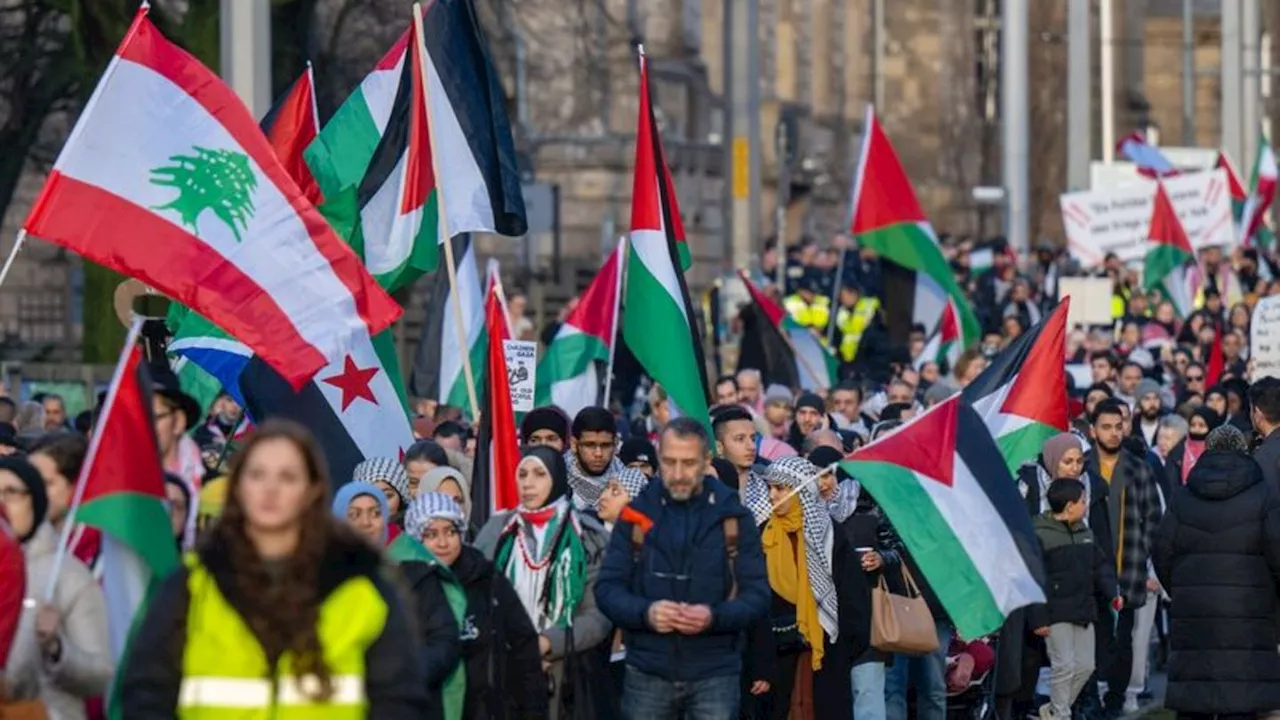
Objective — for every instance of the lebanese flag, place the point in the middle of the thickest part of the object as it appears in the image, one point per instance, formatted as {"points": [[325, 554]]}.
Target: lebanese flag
{"points": [[1022, 395], [568, 374], [1150, 161], [290, 126], [888, 218], [782, 349], [1262, 193], [167, 178], [1170, 262], [497, 451], [120, 492], [945, 486]]}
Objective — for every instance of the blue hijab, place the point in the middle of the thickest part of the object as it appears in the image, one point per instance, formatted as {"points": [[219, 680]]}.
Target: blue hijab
{"points": [[353, 490]]}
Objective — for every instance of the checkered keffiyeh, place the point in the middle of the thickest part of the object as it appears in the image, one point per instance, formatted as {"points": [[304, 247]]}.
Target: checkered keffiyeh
{"points": [[633, 481], [384, 469], [797, 472], [755, 495], [432, 506], [588, 488]]}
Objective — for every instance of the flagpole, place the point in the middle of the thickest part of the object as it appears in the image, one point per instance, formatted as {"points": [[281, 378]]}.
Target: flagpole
{"points": [[68, 523], [315, 106], [13, 254], [441, 207], [617, 313]]}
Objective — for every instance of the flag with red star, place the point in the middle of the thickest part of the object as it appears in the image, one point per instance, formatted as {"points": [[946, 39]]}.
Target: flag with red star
{"points": [[355, 406]]}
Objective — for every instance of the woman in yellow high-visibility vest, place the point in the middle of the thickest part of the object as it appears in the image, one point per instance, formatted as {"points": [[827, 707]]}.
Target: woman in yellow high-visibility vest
{"points": [[282, 614]]}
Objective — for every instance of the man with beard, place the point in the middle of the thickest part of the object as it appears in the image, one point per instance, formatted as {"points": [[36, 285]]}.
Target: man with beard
{"points": [[1150, 410], [1123, 514], [810, 415], [591, 457]]}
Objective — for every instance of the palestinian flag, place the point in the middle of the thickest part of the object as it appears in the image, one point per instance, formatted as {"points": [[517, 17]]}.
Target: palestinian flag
{"points": [[1170, 260], [888, 219], [1238, 193], [1022, 395], [167, 178], [346, 144], [356, 406], [944, 485], [796, 357], [660, 326], [121, 493], [290, 126], [944, 346], [1262, 192], [568, 375], [437, 368], [493, 485], [1150, 161]]}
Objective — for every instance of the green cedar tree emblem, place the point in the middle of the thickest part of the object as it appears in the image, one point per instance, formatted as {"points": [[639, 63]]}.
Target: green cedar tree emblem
{"points": [[217, 180]]}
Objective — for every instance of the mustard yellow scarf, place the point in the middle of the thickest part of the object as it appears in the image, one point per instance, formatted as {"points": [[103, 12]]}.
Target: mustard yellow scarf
{"points": [[784, 554]]}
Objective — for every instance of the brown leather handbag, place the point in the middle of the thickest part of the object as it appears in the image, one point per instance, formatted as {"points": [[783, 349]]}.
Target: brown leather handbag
{"points": [[902, 624]]}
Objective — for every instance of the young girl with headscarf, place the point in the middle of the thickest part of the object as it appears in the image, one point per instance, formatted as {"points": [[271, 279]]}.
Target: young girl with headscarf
{"points": [[551, 553]]}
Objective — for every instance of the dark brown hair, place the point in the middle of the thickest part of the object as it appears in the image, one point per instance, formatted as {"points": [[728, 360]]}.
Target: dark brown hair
{"points": [[67, 451], [282, 612]]}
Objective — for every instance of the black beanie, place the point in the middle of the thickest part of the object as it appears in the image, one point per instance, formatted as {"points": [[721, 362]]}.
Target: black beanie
{"points": [[547, 417], [30, 477], [811, 400]]}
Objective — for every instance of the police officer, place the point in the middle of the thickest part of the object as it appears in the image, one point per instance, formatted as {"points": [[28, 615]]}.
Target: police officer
{"points": [[853, 316], [808, 306]]}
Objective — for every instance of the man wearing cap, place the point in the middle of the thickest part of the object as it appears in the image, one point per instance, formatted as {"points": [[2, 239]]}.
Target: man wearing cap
{"points": [[853, 317], [546, 425], [638, 453], [811, 414], [1149, 409], [806, 306]]}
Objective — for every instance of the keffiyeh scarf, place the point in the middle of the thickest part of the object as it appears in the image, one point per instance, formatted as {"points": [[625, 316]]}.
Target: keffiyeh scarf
{"points": [[588, 488], [819, 536]]}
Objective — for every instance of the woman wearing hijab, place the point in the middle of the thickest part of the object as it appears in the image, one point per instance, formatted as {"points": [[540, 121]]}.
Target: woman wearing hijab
{"points": [[61, 654], [1183, 456], [810, 566], [504, 679], [551, 553], [282, 603], [364, 507], [451, 481], [389, 476], [1061, 456]]}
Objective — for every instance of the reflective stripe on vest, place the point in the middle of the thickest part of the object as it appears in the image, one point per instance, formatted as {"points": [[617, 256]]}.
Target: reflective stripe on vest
{"points": [[811, 315], [226, 674], [229, 692]]}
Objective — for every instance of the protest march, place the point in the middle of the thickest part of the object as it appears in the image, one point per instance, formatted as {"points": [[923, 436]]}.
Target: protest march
{"points": [[943, 477]]}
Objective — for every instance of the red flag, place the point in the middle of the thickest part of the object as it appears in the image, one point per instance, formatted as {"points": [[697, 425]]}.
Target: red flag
{"points": [[13, 586], [290, 126], [497, 452], [1213, 369]]}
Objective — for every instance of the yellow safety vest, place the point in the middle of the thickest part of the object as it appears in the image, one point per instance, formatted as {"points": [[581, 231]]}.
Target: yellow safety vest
{"points": [[853, 323], [225, 674], [811, 315]]}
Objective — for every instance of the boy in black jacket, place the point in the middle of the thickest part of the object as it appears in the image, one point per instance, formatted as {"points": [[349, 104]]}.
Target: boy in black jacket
{"points": [[1076, 568]]}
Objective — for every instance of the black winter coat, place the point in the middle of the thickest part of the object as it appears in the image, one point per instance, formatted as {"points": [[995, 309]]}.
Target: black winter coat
{"points": [[499, 645], [1078, 570], [1268, 456], [393, 674], [437, 628], [1217, 554]]}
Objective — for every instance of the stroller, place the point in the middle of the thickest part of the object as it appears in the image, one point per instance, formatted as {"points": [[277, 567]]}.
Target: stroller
{"points": [[976, 698]]}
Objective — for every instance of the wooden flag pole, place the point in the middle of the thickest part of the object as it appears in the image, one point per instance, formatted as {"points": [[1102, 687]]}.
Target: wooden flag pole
{"points": [[450, 264]]}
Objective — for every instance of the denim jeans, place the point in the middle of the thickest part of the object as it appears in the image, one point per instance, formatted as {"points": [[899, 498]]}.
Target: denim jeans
{"points": [[928, 674], [868, 691], [649, 697]]}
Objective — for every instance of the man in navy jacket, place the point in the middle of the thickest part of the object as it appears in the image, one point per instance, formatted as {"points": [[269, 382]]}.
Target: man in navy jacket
{"points": [[684, 577]]}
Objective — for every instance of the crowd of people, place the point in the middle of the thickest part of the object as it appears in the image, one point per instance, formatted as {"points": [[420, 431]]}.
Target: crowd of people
{"points": [[659, 567]]}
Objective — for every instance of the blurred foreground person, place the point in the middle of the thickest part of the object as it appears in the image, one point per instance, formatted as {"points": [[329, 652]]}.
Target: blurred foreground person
{"points": [[283, 610]]}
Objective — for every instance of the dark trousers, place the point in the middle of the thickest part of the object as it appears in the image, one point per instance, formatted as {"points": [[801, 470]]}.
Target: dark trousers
{"points": [[1119, 667], [1220, 716]]}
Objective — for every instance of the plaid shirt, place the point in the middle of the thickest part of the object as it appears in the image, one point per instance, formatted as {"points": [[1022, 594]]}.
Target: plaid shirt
{"points": [[1128, 507]]}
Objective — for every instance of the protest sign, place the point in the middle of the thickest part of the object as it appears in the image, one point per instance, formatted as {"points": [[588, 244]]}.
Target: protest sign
{"points": [[1115, 220], [1090, 300], [1264, 338], [522, 361]]}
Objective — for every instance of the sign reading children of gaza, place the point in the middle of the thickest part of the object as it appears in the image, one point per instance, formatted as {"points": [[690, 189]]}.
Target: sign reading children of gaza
{"points": [[1115, 220]]}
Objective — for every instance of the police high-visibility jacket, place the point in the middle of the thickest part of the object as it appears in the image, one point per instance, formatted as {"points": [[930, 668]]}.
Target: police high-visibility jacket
{"points": [[811, 315], [194, 656], [853, 323]]}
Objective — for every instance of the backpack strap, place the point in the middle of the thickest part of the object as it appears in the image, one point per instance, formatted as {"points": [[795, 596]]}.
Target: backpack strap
{"points": [[730, 527]]}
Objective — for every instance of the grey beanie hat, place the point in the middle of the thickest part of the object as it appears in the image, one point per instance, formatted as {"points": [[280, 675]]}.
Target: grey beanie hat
{"points": [[1148, 386]]}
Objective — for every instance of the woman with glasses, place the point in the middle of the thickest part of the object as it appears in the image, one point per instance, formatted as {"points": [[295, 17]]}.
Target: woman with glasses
{"points": [[61, 654], [282, 607], [499, 645], [551, 553]]}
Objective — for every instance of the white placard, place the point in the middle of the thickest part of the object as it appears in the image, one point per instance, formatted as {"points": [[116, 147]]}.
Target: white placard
{"points": [[522, 363], [1090, 300], [1116, 219], [1264, 338]]}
